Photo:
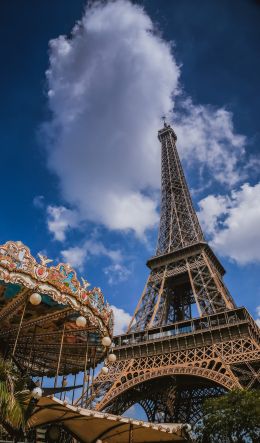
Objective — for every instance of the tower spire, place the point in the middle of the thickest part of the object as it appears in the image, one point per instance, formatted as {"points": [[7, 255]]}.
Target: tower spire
{"points": [[179, 225]]}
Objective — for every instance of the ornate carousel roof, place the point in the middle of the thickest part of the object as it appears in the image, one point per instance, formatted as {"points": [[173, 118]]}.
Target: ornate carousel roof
{"points": [[35, 332]]}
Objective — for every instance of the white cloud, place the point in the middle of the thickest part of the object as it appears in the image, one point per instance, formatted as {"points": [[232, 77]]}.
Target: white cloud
{"points": [[38, 202], [206, 137], [108, 86], [233, 222], [60, 220], [121, 319], [211, 209], [116, 273], [132, 210], [77, 255], [94, 247]]}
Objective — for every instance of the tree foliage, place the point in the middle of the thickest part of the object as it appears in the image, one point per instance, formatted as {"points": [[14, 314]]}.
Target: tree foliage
{"points": [[232, 418], [14, 396]]}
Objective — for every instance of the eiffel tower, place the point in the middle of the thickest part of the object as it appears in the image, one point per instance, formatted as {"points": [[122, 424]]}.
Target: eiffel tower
{"points": [[187, 340]]}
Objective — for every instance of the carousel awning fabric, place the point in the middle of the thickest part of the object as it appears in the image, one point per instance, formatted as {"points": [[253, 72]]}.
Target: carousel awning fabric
{"points": [[89, 426]]}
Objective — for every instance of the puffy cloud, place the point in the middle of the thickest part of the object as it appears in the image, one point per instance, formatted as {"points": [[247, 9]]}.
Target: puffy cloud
{"points": [[233, 223], [77, 255], [121, 319], [60, 220], [38, 202], [117, 273], [131, 210], [207, 138], [211, 209], [95, 247], [109, 84]]}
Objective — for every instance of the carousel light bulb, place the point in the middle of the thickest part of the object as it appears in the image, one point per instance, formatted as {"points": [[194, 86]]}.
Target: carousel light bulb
{"points": [[35, 299], [106, 341], [112, 358], [104, 370], [81, 321], [64, 382], [37, 393]]}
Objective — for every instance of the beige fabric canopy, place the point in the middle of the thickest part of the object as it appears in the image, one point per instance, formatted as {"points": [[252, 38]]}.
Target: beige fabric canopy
{"points": [[90, 426]]}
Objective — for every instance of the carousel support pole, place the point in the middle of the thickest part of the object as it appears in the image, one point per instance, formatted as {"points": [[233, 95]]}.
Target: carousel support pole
{"points": [[84, 375], [19, 329], [42, 377], [61, 385], [74, 384], [59, 359], [63, 380], [32, 353], [93, 376], [64, 395], [130, 440], [88, 380], [24, 351], [31, 350]]}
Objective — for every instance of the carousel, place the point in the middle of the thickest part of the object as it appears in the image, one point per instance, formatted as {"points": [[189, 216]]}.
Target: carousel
{"points": [[51, 325]]}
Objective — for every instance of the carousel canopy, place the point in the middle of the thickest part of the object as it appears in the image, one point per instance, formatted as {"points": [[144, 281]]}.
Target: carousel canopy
{"points": [[42, 306], [91, 426]]}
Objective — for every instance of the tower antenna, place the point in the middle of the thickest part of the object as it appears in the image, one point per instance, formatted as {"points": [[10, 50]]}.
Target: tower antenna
{"points": [[164, 120]]}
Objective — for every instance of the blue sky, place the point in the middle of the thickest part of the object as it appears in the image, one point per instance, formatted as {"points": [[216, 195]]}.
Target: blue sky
{"points": [[80, 160]]}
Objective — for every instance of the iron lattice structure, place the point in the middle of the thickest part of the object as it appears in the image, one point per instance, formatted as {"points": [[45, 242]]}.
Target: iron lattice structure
{"points": [[187, 340]]}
